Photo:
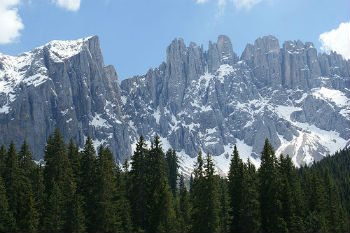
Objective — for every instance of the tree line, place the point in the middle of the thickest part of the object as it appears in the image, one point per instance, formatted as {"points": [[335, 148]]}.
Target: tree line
{"points": [[87, 191]]}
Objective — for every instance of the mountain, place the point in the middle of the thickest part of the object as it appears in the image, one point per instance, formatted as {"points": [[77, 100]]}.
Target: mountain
{"points": [[62, 84], [196, 100]]}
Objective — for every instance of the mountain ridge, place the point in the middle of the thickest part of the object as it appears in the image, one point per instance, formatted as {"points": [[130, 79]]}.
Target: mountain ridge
{"points": [[195, 100]]}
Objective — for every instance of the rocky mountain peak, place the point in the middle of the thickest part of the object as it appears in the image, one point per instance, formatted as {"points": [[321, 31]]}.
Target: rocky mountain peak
{"points": [[207, 101], [225, 50], [267, 44], [60, 50], [196, 100], [62, 84]]}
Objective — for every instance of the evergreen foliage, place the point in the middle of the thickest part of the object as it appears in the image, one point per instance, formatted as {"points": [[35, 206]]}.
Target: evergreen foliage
{"points": [[79, 191], [184, 206], [235, 184], [7, 222], [172, 163]]}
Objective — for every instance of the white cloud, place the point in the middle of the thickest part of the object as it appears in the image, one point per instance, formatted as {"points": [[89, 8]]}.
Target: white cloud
{"points": [[10, 21], [71, 5], [239, 4], [337, 40], [247, 4]]}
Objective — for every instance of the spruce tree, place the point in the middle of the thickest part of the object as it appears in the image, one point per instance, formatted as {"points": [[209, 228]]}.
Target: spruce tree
{"points": [[184, 206], [75, 159], [271, 220], [137, 184], [106, 186], [76, 215], [235, 181], [59, 184], [53, 219], [290, 195], [160, 210], [12, 181], [224, 216], [123, 206], [87, 184], [250, 217], [334, 212], [39, 192], [3, 159], [172, 168], [199, 223], [7, 222], [27, 216], [205, 196], [211, 196], [26, 162]]}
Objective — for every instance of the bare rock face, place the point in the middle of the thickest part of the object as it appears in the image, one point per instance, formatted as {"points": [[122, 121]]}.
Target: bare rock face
{"points": [[195, 100], [211, 100], [62, 84]]}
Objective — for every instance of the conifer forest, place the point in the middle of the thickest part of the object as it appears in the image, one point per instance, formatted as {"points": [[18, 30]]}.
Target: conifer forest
{"points": [[85, 190]]}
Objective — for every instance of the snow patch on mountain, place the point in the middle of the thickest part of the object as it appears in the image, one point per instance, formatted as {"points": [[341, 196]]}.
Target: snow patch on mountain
{"points": [[336, 96], [63, 49]]}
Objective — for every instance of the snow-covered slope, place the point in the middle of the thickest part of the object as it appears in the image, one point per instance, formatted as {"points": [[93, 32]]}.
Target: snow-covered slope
{"points": [[61, 84], [29, 68], [196, 100]]}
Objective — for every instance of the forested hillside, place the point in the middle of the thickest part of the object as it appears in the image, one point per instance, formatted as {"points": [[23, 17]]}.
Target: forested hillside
{"points": [[75, 190]]}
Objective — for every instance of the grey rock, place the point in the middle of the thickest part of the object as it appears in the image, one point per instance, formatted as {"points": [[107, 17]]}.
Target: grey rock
{"points": [[195, 100], [79, 95]]}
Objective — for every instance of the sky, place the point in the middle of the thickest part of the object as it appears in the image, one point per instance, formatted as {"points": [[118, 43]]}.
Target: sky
{"points": [[134, 34]]}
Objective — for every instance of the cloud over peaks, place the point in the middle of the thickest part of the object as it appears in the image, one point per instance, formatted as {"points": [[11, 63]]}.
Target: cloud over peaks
{"points": [[10, 21], [337, 40]]}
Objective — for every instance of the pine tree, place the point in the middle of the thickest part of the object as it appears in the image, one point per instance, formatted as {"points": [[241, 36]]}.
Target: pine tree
{"points": [[290, 195], [75, 159], [268, 191], [334, 211], [17, 176], [26, 162], [76, 215], [224, 216], [184, 206], [250, 217], [191, 183], [211, 196], [38, 193], [87, 184], [7, 222], [172, 168], [205, 196], [198, 197], [59, 184], [27, 216], [11, 178], [137, 184], [316, 203], [3, 159], [53, 219], [123, 206], [235, 178], [160, 210], [106, 203]]}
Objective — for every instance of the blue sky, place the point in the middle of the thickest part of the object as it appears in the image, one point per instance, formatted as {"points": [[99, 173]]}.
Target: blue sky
{"points": [[134, 34]]}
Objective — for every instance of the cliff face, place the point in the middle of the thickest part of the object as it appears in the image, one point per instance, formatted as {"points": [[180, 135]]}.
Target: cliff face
{"points": [[195, 100], [62, 84], [211, 100]]}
